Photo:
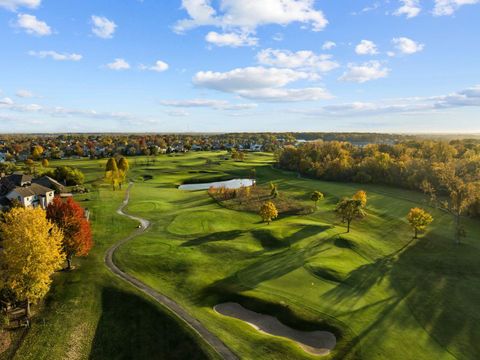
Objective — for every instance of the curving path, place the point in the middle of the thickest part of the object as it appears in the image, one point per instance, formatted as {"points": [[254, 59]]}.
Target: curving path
{"points": [[174, 307]]}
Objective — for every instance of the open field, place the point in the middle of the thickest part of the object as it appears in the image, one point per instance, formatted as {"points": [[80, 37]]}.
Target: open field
{"points": [[383, 295]]}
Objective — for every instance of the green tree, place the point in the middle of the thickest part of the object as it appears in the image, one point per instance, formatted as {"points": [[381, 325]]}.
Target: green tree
{"points": [[316, 197], [419, 219], [349, 210]]}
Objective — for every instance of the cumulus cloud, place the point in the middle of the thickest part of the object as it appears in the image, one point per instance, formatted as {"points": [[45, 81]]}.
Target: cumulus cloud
{"points": [[304, 60], [23, 93], [448, 7], [208, 103], [260, 83], [231, 39], [159, 66], [407, 46], [118, 64], [103, 27], [31, 25], [6, 101], [13, 5], [328, 45], [368, 71], [469, 97], [55, 55], [366, 47], [250, 14], [409, 8]]}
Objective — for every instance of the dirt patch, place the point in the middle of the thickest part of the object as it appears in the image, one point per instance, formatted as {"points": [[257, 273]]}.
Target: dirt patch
{"points": [[252, 198], [313, 342], [75, 343], [5, 341]]}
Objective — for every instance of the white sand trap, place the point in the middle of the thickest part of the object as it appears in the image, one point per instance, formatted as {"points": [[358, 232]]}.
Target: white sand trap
{"points": [[313, 342]]}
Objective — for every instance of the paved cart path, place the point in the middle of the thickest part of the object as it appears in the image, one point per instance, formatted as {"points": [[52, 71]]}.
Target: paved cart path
{"points": [[174, 307]]}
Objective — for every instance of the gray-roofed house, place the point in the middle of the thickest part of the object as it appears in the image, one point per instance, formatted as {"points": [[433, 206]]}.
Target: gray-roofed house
{"points": [[20, 187]]}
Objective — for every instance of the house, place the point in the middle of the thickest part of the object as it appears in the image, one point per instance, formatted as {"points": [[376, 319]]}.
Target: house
{"points": [[50, 183], [23, 188], [3, 157]]}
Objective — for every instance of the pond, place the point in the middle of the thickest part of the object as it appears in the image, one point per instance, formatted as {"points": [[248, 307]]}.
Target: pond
{"points": [[228, 184]]}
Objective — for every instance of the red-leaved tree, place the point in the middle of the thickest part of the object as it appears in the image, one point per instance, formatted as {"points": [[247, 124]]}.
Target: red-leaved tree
{"points": [[77, 234]]}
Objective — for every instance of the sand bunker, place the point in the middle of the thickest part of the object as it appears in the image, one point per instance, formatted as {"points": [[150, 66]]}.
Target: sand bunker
{"points": [[314, 342]]}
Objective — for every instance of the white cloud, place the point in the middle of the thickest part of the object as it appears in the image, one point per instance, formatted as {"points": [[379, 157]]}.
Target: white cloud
{"points": [[328, 45], [118, 64], [231, 39], [304, 59], [409, 8], [407, 46], [287, 95], [466, 98], [250, 14], [32, 25], [260, 83], [177, 113], [208, 103], [6, 101], [448, 7], [366, 47], [55, 55], [13, 5], [368, 71], [103, 27], [23, 93], [159, 66], [247, 78]]}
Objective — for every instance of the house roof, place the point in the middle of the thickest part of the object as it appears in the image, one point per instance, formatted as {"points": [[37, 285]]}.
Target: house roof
{"points": [[48, 182], [34, 189]]}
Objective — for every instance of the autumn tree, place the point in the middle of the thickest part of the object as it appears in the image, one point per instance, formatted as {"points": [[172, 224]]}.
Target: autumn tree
{"points": [[419, 219], [462, 194], [123, 167], [45, 163], [70, 218], [316, 197], [112, 173], [349, 210], [37, 152], [268, 211], [361, 195], [32, 251]]}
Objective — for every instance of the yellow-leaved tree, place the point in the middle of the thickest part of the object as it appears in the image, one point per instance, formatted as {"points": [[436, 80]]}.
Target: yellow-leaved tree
{"points": [[362, 196], [268, 211], [32, 251]]}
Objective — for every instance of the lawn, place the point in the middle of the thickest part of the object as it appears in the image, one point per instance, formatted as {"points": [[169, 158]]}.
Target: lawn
{"points": [[383, 295], [91, 314]]}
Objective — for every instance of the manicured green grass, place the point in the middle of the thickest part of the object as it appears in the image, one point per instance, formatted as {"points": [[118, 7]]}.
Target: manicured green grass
{"points": [[91, 314], [384, 295]]}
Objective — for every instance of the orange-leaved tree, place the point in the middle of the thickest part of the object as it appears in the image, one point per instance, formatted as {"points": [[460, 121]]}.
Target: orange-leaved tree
{"points": [[32, 251], [70, 218]]}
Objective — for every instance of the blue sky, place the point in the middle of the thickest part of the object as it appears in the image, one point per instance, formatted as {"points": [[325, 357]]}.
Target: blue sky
{"points": [[239, 65]]}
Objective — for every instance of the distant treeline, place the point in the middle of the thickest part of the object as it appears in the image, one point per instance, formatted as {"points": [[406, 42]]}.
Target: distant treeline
{"points": [[426, 165]]}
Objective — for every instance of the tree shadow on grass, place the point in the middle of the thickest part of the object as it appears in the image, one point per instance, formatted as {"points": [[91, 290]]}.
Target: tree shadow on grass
{"points": [[133, 328], [217, 236], [268, 267]]}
